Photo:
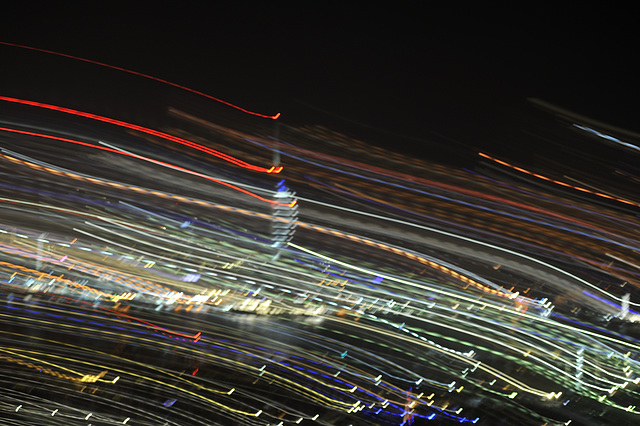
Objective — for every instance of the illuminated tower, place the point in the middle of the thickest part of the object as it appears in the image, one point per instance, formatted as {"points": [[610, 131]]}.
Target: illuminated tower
{"points": [[284, 215]]}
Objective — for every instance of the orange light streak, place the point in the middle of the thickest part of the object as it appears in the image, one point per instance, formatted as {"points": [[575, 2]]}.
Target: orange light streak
{"points": [[98, 181], [558, 182]]}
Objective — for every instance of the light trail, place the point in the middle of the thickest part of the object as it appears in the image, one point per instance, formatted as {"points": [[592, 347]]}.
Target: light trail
{"points": [[463, 238], [112, 183], [146, 130], [558, 182], [358, 318], [273, 117]]}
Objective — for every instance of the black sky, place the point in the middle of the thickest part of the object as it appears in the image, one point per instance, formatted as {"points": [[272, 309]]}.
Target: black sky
{"points": [[461, 72]]}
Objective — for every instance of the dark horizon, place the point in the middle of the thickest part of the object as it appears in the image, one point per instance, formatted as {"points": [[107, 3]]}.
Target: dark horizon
{"points": [[458, 74]]}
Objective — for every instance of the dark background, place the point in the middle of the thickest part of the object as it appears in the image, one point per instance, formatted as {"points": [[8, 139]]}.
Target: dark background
{"points": [[407, 76]]}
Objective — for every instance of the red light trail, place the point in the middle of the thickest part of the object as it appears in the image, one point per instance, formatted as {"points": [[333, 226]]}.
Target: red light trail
{"points": [[182, 169], [272, 117], [146, 130]]}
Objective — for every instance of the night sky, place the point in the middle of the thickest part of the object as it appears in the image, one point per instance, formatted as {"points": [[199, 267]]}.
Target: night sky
{"points": [[407, 74]]}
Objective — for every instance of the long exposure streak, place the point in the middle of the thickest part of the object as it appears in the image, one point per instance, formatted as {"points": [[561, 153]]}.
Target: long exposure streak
{"points": [[142, 129], [140, 157], [273, 117]]}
